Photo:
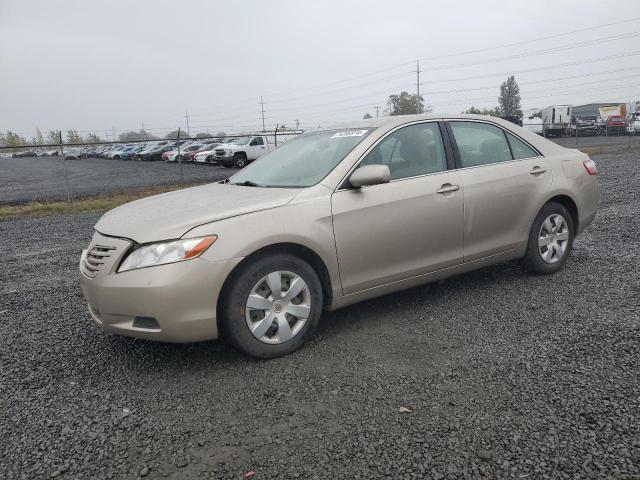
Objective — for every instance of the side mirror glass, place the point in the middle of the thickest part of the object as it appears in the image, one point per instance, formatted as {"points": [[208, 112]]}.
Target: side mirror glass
{"points": [[370, 175]]}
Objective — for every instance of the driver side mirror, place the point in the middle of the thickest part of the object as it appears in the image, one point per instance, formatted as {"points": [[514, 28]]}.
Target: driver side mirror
{"points": [[370, 175]]}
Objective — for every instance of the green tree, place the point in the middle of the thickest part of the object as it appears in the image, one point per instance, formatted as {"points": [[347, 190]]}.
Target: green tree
{"points": [[92, 138], [39, 138], [367, 116], [53, 137], [12, 139], [174, 134], [406, 104], [202, 135], [73, 136], [130, 136], [221, 134], [509, 99], [483, 111]]}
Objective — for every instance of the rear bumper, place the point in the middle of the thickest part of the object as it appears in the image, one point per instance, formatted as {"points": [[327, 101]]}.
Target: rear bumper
{"points": [[169, 303]]}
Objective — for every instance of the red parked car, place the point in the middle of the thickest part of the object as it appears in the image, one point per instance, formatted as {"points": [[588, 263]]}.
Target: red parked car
{"points": [[616, 124]]}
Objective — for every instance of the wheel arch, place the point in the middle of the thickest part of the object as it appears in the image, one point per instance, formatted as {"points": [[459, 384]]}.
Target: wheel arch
{"points": [[290, 248], [570, 204]]}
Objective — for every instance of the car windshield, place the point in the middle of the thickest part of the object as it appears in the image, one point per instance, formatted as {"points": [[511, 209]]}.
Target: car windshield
{"points": [[239, 140], [302, 161]]}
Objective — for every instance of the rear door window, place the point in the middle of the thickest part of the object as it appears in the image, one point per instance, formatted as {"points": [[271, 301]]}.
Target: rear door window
{"points": [[480, 143]]}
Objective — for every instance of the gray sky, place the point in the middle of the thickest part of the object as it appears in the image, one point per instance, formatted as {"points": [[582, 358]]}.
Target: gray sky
{"points": [[94, 65]]}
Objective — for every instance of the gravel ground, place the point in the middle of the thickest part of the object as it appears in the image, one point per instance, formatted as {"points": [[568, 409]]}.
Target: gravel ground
{"points": [[36, 179], [493, 374]]}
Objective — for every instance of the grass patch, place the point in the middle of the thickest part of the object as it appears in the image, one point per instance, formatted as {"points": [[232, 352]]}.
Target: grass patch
{"points": [[80, 205]]}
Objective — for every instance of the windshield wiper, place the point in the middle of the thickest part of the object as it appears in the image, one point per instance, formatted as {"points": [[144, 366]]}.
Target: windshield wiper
{"points": [[247, 183]]}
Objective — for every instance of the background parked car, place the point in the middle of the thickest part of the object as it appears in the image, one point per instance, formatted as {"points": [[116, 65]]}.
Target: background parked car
{"points": [[616, 125], [26, 153], [184, 153], [582, 127], [72, 154], [533, 124], [633, 125], [206, 155], [156, 154]]}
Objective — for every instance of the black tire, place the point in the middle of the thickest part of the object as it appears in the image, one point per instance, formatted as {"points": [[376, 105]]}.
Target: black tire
{"points": [[240, 160], [533, 261], [233, 321]]}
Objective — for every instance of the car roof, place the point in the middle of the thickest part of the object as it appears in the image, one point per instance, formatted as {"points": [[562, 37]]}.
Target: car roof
{"points": [[396, 120]]}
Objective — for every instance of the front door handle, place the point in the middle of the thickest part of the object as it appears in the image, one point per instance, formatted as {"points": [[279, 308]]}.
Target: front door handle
{"points": [[447, 188], [537, 170]]}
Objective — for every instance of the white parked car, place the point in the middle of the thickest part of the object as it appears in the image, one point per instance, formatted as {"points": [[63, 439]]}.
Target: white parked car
{"points": [[633, 123], [238, 152], [206, 156], [533, 124], [172, 156]]}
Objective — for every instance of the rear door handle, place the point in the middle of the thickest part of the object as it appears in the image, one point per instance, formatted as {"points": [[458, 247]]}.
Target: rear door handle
{"points": [[537, 170], [447, 188]]}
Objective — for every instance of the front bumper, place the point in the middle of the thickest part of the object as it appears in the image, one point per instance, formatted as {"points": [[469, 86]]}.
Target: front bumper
{"points": [[170, 303], [222, 160]]}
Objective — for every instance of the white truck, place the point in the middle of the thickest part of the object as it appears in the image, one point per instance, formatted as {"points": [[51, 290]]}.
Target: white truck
{"points": [[239, 151], [556, 119]]}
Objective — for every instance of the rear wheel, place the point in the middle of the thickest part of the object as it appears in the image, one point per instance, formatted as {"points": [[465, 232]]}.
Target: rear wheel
{"points": [[272, 306], [550, 240]]}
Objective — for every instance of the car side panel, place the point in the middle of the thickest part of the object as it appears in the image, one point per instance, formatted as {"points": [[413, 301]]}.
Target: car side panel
{"points": [[385, 233], [499, 202]]}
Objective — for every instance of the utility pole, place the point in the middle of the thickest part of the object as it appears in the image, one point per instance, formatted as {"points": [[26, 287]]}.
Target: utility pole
{"points": [[297, 123], [145, 133], [377, 111], [262, 110], [113, 133], [418, 71], [186, 115]]}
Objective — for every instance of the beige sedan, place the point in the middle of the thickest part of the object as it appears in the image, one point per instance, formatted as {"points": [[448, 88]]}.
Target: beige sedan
{"points": [[331, 218]]}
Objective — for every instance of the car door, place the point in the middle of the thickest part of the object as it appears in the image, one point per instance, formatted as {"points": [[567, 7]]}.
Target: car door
{"points": [[257, 148], [407, 227], [504, 179]]}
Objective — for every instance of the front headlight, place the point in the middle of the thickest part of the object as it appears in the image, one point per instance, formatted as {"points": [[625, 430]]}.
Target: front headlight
{"points": [[166, 252]]}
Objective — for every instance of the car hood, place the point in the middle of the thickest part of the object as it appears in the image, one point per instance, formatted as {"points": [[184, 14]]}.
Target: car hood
{"points": [[171, 215], [231, 145]]}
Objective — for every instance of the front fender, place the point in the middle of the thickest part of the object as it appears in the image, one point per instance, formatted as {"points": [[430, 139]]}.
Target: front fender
{"points": [[308, 223]]}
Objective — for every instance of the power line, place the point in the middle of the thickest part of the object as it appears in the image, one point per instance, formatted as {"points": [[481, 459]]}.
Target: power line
{"points": [[449, 55], [538, 52]]}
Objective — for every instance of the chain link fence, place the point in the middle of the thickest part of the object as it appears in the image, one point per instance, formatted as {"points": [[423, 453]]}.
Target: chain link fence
{"points": [[67, 172]]}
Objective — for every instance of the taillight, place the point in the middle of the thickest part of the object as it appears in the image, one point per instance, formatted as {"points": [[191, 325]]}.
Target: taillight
{"points": [[590, 167]]}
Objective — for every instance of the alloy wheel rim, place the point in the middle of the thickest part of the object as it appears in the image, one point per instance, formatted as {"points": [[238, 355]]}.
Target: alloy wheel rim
{"points": [[278, 307], [553, 238]]}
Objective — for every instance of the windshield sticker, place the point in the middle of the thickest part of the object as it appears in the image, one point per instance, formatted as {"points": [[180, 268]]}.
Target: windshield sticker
{"points": [[349, 133]]}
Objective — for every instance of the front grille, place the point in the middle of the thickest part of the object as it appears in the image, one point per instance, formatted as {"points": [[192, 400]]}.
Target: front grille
{"points": [[95, 259]]}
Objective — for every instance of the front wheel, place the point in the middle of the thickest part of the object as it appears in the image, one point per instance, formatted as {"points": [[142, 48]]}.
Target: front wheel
{"points": [[550, 240], [240, 160], [272, 306]]}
